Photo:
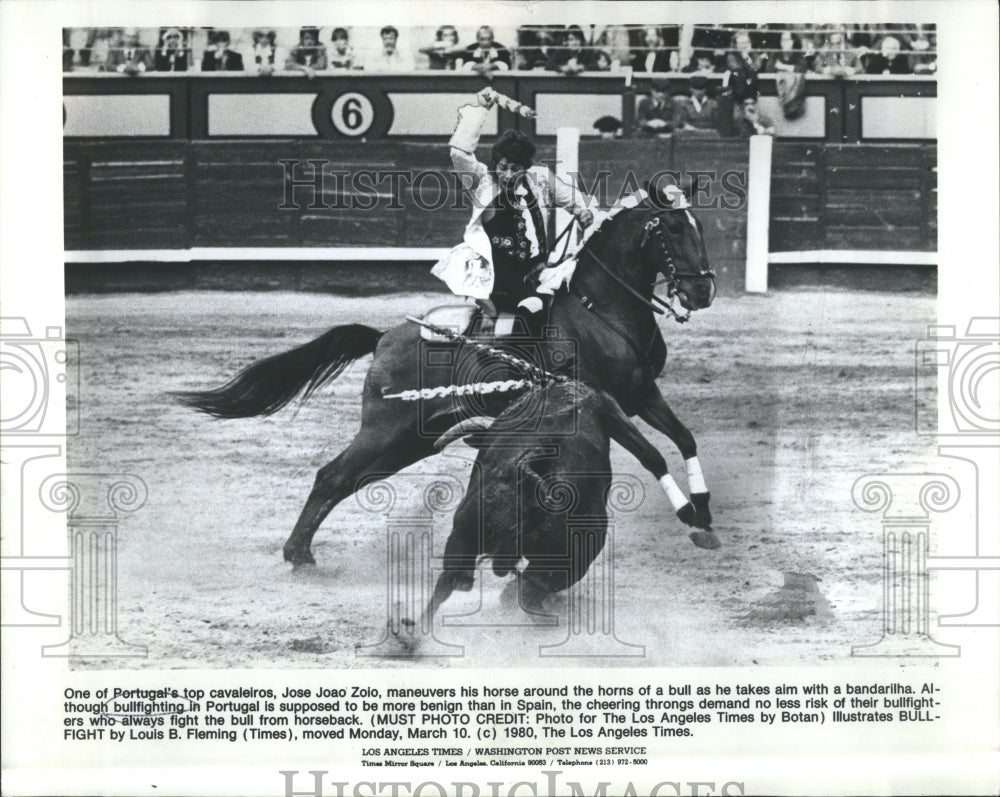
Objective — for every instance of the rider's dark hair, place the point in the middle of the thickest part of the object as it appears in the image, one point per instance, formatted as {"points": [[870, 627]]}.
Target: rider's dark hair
{"points": [[516, 147]]}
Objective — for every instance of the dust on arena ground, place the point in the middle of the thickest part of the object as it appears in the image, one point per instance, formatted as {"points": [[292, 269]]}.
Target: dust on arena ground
{"points": [[791, 396]]}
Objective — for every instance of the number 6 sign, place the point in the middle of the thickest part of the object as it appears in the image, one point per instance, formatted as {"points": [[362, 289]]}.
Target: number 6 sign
{"points": [[351, 114]]}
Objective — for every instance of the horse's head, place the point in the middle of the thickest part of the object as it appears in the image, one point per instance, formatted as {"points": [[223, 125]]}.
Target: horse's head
{"points": [[672, 244]]}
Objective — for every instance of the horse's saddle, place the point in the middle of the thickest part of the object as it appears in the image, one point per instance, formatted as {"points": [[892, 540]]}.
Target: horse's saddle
{"points": [[466, 319]]}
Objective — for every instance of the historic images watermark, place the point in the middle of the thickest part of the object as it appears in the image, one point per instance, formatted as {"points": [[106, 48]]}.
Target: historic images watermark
{"points": [[311, 184], [967, 431], [965, 370], [40, 374], [548, 783]]}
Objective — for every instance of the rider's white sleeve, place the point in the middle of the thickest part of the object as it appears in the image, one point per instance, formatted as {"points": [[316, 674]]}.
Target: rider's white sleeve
{"points": [[568, 196], [464, 141]]}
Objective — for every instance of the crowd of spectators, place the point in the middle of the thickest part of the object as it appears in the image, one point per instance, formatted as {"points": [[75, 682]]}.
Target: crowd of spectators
{"points": [[836, 50], [703, 105]]}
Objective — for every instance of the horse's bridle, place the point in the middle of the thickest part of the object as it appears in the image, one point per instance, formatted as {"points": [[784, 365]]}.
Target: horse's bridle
{"points": [[656, 229]]}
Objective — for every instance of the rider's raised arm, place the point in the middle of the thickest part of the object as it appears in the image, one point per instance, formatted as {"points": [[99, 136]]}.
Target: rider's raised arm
{"points": [[464, 141], [572, 199]]}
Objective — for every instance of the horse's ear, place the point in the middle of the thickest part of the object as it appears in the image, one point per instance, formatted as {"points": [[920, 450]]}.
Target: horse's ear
{"points": [[670, 196], [655, 194]]}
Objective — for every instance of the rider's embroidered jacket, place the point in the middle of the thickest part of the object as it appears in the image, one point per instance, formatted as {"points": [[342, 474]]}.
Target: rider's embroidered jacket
{"points": [[458, 269]]}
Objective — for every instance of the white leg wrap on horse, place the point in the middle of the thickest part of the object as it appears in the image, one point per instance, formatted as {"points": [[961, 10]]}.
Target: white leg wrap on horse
{"points": [[674, 493], [696, 481], [532, 304]]}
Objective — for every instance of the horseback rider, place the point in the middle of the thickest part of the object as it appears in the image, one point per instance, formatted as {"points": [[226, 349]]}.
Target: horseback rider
{"points": [[505, 241]]}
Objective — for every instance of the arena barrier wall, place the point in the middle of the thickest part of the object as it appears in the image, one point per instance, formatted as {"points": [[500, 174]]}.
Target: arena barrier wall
{"points": [[356, 106], [300, 197]]}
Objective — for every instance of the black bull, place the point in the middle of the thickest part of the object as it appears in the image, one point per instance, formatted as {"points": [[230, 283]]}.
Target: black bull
{"points": [[540, 494]]}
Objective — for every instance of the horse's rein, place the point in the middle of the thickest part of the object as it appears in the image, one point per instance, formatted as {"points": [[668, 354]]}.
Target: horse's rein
{"points": [[656, 229], [604, 266]]}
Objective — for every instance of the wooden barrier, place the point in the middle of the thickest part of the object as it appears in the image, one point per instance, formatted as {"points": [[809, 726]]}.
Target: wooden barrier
{"points": [[854, 196], [175, 195], [359, 106]]}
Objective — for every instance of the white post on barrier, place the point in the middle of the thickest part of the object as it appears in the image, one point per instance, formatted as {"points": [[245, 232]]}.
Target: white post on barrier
{"points": [[758, 213], [567, 166]]}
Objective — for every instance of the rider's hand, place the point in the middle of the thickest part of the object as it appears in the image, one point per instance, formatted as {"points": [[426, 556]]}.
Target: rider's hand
{"points": [[487, 97], [585, 217]]}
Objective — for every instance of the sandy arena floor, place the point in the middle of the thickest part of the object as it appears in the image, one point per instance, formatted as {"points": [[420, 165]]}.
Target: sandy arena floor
{"points": [[791, 397]]}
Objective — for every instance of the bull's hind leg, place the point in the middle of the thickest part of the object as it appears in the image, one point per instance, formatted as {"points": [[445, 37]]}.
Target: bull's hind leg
{"points": [[369, 453]]}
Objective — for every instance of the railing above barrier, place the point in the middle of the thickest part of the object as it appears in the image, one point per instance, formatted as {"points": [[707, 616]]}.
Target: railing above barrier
{"points": [[364, 107]]}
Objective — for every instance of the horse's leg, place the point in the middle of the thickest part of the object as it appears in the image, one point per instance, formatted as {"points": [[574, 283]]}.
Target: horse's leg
{"points": [[655, 411], [628, 435], [372, 451]]}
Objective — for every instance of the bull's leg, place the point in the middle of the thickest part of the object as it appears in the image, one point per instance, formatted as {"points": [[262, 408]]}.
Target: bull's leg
{"points": [[409, 634], [657, 413], [460, 555], [370, 452]]}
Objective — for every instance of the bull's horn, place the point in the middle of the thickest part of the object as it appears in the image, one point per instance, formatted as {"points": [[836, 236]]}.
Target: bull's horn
{"points": [[463, 428]]}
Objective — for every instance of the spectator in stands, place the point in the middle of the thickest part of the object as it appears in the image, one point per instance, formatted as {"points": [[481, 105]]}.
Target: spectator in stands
{"points": [[889, 60], [789, 56], [537, 46], [810, 56], [573, 58], [444, 53], [656, 114], [67, 57], [743, 56], [702, 63], [390, 58], [127, 55], [654, 57], [613, 41], [697, 113], [309, 55], [836, 58], [740, 79], [265, 51], [341, 55], [486, 55], [171, 55], [95, 46], [923, 59], [601, 61], [608, 127], [863, 38], [218, 57], [748, 120]]}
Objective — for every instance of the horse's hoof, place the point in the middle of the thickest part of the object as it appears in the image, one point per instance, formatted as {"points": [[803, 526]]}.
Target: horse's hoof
{"points": [[687, 515], [700, 501], [705, 539]]}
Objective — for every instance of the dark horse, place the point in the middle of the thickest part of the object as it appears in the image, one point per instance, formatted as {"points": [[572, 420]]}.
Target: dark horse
{"points": [[607, 312]]}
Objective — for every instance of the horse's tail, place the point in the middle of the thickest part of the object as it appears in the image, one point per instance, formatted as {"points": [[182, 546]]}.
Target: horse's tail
{"points": [[265, 387]]}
